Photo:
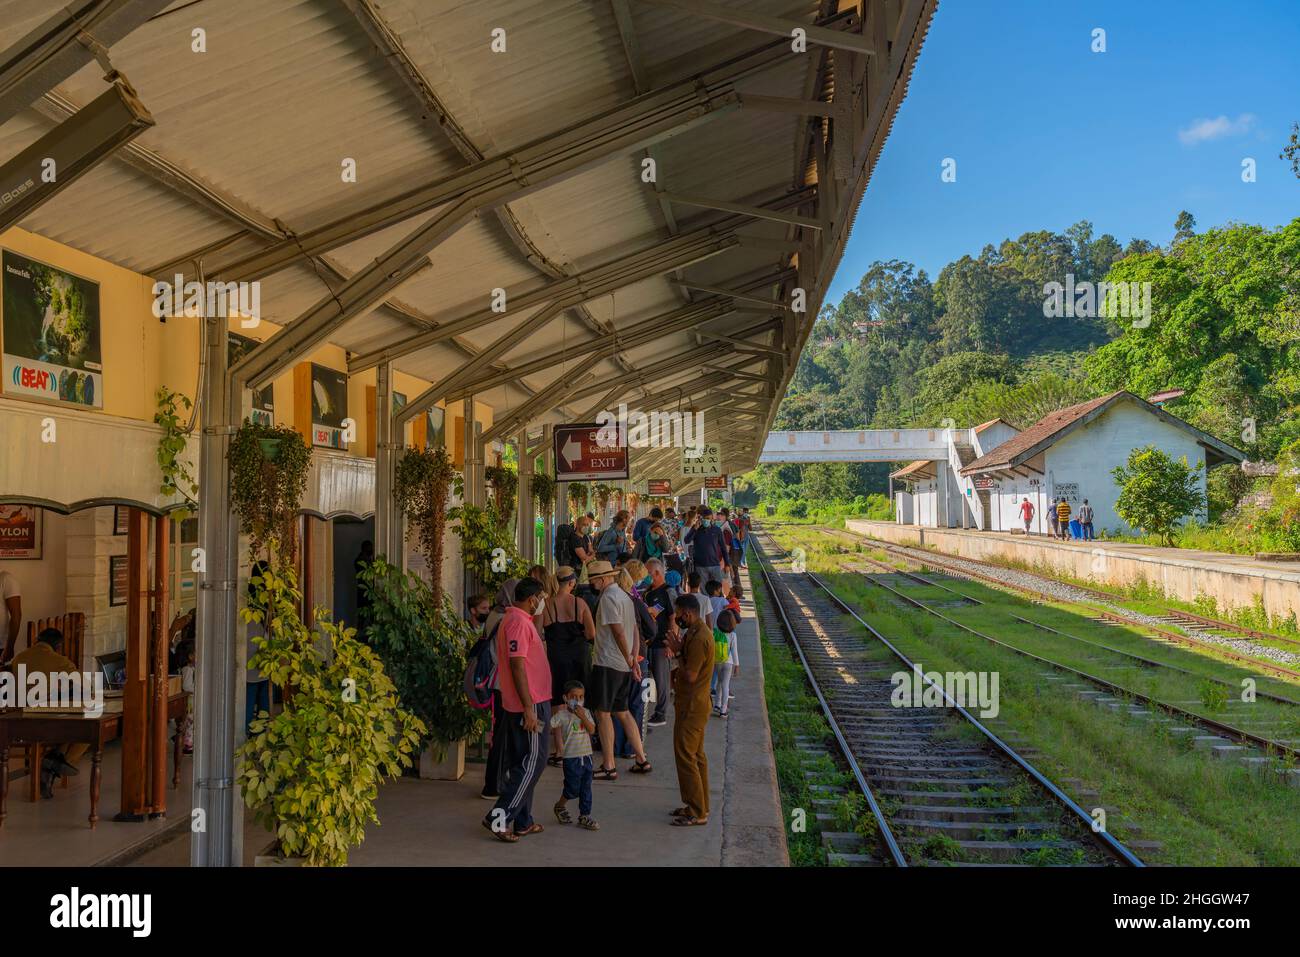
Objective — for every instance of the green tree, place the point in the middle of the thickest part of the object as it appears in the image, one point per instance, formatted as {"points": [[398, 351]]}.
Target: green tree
{"points": [[1184, 227], [1156, 492], [1291, 152]]}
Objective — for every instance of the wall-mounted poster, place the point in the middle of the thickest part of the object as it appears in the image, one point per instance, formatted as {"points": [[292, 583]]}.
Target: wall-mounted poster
{"points": [[118, 569], [121, 514], [20, 531], [436, 428], [264, 398], [51, 334], [329, 406]]}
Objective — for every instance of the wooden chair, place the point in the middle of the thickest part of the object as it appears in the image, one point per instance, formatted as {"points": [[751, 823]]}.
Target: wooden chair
{"points": [[73, 627]]}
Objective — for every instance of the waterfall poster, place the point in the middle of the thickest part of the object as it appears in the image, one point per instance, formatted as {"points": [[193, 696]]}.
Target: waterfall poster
{"points": [[51, 331]]}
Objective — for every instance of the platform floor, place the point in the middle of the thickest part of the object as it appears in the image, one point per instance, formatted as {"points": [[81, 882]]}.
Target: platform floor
{"points": [[437, 823], [56, 831]]}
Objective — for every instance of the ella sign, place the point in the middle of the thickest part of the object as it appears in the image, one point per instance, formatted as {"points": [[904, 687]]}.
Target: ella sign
{"points": [[708, 464]]}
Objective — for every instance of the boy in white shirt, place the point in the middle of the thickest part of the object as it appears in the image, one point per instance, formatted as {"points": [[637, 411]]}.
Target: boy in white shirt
{"points": [[576, 727]]}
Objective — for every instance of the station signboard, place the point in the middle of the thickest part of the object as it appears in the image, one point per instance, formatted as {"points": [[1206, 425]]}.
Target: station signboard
{"points": [[660, 486], [583, 455], [716, 482], [983, 483], [708, 464]]}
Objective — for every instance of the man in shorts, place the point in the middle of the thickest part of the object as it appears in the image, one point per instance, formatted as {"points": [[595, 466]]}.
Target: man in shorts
{"points": [[615, 672]]}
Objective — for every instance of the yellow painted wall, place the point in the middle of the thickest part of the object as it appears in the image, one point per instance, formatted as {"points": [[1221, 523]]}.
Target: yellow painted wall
{"points": [[140, 353]]}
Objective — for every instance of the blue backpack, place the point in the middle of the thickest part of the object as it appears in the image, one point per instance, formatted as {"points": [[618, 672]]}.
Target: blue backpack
{"points": [[481, 670]]}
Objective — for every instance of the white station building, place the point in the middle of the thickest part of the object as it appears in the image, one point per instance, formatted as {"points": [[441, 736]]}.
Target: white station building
{"points": [[990, 469]]}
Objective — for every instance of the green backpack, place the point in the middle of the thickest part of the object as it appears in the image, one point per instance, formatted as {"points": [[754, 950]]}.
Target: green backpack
{"points": [[721, 647]]}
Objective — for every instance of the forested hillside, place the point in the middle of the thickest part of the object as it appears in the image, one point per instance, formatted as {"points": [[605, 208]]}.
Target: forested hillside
{"points": [[975, 343]]}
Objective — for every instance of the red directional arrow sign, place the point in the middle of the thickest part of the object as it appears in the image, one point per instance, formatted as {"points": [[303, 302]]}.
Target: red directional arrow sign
{"points": [[580, 455]]}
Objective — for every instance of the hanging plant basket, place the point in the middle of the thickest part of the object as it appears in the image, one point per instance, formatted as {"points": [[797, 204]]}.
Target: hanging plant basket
{"points": [[422, 485], [543, 489], [266, 489]]}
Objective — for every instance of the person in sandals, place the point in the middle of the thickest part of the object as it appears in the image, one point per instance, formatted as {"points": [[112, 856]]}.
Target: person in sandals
{"points": [[574, 723]]}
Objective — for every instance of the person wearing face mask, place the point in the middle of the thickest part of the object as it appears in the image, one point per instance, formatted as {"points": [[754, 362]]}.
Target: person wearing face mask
{"points": [[575, 727], [477, 608], [569, 631], [694, 650], [526, 703], [708, 551]]}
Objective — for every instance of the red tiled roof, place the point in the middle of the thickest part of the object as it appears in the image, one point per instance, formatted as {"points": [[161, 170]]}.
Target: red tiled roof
{"points": [[984, 425], [1018, 448], [910, 469], [1044, 428]]}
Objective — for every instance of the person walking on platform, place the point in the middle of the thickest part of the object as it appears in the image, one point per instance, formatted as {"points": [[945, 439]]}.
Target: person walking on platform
{"points": [[1085, 521], [1063, 517], [526, 704], [1027, 514], [694, 651]]}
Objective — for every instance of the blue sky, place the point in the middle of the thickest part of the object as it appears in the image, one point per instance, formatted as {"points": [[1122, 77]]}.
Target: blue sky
{"points": [[1045, 132]]}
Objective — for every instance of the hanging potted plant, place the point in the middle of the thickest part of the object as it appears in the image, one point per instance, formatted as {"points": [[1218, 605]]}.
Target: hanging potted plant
{"points": [[489, 553], [543, 489], [603, 493], [310, 774], [577, 495], [423, 644], [268, 476], [177, 475], [505, 492], [422, 486]]}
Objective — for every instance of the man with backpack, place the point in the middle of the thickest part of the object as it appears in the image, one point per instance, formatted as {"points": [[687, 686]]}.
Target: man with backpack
{"points": [[573, 545], [526, 702], [708, 550]]}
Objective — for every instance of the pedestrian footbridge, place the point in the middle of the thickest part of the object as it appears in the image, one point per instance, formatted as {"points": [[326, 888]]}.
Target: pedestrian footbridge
{"points": [[860, 445]]}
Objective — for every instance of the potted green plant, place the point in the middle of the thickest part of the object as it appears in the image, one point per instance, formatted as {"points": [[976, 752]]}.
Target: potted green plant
{"points": [[177, 475], [488, 551], [310, 774], [543, 489], [505, 491], [577, 494], [423, 644]]}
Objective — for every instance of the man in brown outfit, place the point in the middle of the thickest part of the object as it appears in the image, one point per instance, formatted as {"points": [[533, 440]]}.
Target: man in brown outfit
{"points": [[693, 649]]}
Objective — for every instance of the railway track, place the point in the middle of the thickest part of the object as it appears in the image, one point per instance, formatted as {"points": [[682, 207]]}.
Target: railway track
{"points": [[1197, 630], [1104, 658], [942, 788]]}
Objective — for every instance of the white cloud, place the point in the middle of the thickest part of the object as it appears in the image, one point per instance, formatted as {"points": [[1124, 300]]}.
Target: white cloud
{"points": [[1217, 128]]}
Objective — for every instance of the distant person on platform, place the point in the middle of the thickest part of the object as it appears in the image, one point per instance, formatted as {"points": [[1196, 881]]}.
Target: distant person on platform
{"points": [[1063, 517], [1085, 521], [1027, 514], [708, 550], [45, 657], [11, 614]]}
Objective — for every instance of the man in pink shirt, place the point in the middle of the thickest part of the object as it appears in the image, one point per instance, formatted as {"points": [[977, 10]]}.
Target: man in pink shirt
{"points": [[525, 678]]}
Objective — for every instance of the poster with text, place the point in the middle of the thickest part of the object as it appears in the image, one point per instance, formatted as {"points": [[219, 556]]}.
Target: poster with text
{"points": [[20, 531], [329, 406], [51, 333]]}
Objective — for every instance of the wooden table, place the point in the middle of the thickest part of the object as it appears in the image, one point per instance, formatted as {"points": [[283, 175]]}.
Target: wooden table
{"points": [[33, 727]]}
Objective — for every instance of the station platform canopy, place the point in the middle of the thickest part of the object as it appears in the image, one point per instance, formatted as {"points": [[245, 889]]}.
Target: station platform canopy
{"points": [[551, 205]]}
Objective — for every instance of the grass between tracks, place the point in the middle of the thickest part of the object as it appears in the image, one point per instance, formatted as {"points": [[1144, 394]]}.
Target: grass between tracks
{"points": [[1154, 785], [793, 711]]}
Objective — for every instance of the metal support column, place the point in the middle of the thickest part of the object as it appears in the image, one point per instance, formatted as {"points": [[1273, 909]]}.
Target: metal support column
{"points": [[524, 511], [218, 827], [388, 520], [560, 513]]}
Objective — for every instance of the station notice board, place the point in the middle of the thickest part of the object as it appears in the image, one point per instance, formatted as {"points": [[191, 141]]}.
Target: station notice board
{"points": [[660, 486], [715, 481], [581, 456]]}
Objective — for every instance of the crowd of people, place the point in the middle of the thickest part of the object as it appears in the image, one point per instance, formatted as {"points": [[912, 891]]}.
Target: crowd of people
{"points": [[580, 662]]}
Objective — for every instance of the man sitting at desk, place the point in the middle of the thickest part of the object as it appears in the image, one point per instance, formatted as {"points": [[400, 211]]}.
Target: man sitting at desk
{"points": [[44, 658]]}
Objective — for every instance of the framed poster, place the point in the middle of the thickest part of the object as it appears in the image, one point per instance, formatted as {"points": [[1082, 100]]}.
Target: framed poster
{"points": [[436, 428], [264, 398], [51, 330], [120, 515], [20, 532], [117, 580], [329, 406]]}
